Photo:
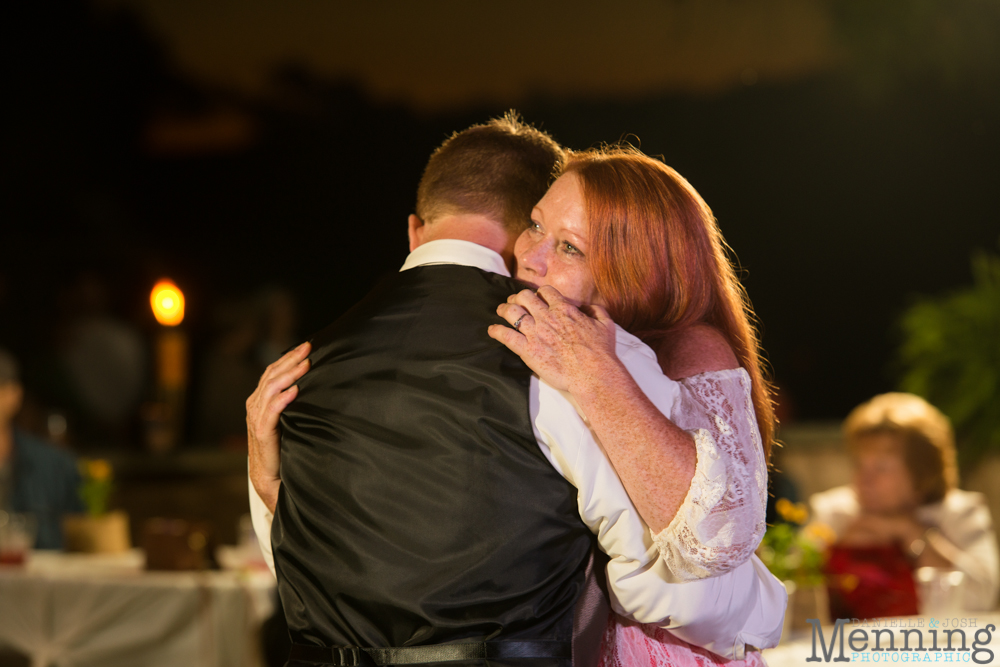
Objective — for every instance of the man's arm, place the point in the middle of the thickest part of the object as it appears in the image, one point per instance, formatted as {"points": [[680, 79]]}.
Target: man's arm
{"points": [[274, 392]]}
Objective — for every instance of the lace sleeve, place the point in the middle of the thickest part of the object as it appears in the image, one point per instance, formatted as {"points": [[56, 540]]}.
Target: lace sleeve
{"points": [[721, 521]]}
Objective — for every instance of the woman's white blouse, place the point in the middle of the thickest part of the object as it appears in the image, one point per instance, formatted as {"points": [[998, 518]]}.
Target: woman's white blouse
{"points": [[721, 521]]}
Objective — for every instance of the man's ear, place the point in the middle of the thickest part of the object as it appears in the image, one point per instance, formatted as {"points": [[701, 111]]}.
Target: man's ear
{"points": [[415, 229]]}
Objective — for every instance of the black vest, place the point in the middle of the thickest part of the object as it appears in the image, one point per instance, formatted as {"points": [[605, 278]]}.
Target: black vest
{"points": [[416, 506]]}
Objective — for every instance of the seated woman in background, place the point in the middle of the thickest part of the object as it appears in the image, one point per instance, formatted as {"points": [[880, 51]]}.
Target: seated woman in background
{"points": [[903, 512]]}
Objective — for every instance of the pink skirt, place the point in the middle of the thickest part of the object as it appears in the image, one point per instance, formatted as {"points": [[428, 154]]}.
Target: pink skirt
{"points": [[630, 644]]}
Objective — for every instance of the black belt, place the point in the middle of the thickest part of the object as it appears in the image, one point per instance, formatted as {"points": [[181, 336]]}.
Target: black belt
{"points": [[349, 656]]}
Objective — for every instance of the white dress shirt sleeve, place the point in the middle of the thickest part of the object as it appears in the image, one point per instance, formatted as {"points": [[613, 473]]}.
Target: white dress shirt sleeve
{"points": [[262, 519]]}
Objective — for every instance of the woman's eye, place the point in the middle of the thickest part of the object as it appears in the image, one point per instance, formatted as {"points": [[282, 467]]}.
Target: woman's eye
{"points": [[571, 249]]}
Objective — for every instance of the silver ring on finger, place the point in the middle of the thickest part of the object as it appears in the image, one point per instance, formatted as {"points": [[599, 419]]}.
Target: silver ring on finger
{"points": [[517, 325]]}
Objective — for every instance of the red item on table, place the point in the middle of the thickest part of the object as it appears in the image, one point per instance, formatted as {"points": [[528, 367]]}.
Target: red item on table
{"points": [[870, 582], [12, 557]]}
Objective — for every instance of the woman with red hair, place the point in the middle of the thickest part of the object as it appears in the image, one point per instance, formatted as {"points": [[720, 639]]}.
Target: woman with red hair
{"points": [[621, 238]]}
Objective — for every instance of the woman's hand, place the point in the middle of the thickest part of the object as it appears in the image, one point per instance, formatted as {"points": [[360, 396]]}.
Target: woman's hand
{"points": [[568, 347], [870, 530], [274, 392], [573, 350]]}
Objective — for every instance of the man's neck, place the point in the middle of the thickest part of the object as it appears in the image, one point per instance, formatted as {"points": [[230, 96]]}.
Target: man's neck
{"points": [[476, 229]]}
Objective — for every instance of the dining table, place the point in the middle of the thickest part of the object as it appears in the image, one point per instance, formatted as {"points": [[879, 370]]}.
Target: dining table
{"points": [[108, 610]]}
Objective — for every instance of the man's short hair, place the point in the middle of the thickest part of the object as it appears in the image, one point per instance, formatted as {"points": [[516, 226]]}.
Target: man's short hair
{"points": [[9, 371], [499, 170]]}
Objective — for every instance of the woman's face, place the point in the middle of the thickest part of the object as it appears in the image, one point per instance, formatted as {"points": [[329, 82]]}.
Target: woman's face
{"points": [[553, 250], [881, 478]]}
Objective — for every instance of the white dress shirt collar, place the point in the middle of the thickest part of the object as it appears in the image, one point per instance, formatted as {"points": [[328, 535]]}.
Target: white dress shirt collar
{"points": [[454, 251]]}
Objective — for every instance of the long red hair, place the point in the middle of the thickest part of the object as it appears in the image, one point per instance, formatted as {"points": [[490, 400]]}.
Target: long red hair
{"points": [[660, 262]]}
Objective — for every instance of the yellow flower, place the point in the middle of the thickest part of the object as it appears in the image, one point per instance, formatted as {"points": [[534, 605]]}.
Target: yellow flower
{"points": [[98, 470], [792, 512], [820, 532], [783, 506]]}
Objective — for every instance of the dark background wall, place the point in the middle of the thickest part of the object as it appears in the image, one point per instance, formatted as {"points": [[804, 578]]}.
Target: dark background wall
{"points": [[849, 151]]}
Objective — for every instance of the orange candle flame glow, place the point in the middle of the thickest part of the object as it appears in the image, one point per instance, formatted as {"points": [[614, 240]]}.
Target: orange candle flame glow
{"points": [[168, 303]]}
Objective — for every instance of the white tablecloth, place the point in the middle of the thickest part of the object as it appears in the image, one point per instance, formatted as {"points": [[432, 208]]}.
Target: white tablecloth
{"points": [[77, 610]]}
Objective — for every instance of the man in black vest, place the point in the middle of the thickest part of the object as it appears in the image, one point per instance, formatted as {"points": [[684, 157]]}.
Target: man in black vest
{"points": [[417, 517]]}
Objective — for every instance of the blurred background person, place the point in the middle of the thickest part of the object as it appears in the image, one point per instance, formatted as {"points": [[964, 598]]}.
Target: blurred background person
{"points": [[903, 512], [250, 332], [100, 363], [36, 477]]}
